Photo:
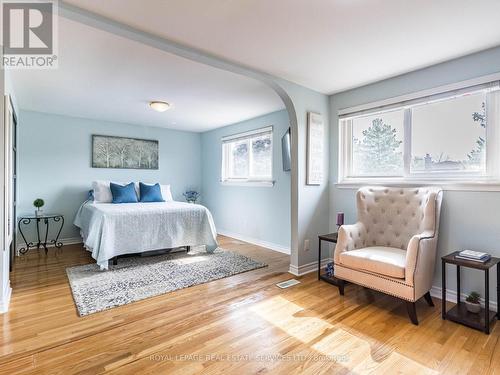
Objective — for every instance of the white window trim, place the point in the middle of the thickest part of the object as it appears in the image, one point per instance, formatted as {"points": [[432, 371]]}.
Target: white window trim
{"points": [[246, 134], [459, 86], [269, 183], [458, 185], [247, 181], [488, 182]]}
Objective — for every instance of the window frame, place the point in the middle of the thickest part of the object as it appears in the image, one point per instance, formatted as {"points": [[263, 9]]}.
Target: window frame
{"points": [[226, 160], [350, 150], [488, 180]]}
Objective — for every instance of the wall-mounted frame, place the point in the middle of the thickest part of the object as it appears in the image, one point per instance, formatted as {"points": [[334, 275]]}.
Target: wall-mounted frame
{"points": [[315, 148], [124, 153]]}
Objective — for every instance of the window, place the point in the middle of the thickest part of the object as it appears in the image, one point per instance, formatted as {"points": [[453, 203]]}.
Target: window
{"points": [[377, 144], [451, 136], [248, 157]]}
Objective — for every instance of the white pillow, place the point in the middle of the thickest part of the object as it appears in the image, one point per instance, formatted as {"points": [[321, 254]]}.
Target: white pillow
{"points": [[102, 192], [166, 194]]}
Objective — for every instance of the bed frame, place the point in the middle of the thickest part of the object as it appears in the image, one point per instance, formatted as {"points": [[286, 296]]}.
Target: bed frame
{"points": [[114, 260]]}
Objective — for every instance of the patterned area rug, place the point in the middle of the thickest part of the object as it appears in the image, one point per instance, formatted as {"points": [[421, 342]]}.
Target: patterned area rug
{"points": [[137, 277]]}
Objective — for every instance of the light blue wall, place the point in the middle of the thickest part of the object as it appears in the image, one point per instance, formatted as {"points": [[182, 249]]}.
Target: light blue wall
{"points": [[55, 161], [261, 213], [312, 202], [469, 220]]}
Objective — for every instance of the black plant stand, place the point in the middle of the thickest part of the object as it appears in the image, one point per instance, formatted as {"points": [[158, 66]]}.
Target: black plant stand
{"points": [[332, 237], [459, 313], [45, 218]]}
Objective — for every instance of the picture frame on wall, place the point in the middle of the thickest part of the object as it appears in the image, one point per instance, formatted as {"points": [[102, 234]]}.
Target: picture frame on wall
{"points": [[124, 153], [315, 148]]}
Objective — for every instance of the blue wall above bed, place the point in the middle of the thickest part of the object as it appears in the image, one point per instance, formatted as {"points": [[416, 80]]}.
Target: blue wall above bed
{"points": [[55, 162]]}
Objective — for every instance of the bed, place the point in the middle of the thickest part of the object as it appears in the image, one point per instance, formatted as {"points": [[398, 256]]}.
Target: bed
{"points": [[109, 230]]}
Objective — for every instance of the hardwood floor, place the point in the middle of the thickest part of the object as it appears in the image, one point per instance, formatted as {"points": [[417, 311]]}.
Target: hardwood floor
{"points": [[238, 325]]}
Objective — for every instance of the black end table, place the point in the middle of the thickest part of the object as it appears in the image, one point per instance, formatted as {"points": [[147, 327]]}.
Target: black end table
{"points": [[332, 238], [45, 218], [459, 313]]}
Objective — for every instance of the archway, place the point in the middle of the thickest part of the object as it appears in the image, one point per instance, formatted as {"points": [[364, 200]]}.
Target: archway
{"points": [[99, 22]]}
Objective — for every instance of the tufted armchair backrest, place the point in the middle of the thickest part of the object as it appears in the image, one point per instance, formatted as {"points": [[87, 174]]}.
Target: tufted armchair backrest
{"points": [[392, 216]]}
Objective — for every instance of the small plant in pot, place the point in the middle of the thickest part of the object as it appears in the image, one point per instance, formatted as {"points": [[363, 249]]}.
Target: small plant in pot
{"points": [[472, 302], [38, 203], [191, 196]]}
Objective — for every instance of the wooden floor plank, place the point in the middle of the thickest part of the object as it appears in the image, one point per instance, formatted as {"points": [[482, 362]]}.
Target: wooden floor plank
{"points": [[238, 325]]}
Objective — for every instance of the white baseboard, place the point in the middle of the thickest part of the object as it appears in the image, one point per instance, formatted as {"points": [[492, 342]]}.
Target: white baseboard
{"points": [[451, 296], [255, 241], [308, 268], [64, 241], [5, 301]]}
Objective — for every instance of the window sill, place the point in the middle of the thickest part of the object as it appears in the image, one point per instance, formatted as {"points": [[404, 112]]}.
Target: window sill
{"points": [[449, 185], [248, 183]]}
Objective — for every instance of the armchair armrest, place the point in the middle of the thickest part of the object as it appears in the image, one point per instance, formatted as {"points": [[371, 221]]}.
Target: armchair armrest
{"points": [[419, 251], [350, 237]]}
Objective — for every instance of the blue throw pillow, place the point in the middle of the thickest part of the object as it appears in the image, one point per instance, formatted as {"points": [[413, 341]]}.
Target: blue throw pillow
{"points": [[123, 194], [150, 193]]}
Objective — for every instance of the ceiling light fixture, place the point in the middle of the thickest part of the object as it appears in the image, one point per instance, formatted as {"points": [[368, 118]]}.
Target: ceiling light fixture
{"points": [[159, 106]]}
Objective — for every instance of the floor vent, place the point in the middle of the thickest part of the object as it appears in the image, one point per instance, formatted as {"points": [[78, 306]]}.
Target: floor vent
{"points": [[288, 283]]}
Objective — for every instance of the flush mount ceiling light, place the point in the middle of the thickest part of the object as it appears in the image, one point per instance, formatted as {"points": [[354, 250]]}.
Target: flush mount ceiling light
{"points": [[159, 106]]}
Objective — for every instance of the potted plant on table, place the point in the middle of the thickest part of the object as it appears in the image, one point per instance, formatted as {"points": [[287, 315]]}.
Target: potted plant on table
{"points": [[38, 203], [472, 302], [191, 196]]}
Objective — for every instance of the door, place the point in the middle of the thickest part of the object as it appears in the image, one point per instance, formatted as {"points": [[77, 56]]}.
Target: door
{"points": [[9, 175], [13, 246]]}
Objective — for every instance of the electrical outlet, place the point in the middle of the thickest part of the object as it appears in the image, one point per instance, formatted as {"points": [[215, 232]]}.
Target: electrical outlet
{"points": [[306, 245]]}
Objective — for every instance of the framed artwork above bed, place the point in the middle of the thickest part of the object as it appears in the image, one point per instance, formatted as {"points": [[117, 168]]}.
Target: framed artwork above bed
{"points": [[125, 153]]}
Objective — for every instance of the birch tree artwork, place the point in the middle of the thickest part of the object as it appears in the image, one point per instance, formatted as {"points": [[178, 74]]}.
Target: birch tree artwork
{"points": [[120, 152]]}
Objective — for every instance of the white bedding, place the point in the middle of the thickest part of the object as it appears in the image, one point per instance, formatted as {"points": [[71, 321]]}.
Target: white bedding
{"points": [[110, 229]]}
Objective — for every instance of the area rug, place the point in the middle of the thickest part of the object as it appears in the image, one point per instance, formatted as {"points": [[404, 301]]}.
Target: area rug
{"points": [[137, 277]]}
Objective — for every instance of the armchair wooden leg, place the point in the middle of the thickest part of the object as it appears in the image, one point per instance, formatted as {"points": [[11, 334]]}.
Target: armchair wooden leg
{"points": [[341, 285], [428, 298], [412, 312]]}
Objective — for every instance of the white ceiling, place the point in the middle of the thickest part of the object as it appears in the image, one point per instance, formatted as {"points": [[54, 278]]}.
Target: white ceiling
{"points": [[327, 45], [106, 77]]}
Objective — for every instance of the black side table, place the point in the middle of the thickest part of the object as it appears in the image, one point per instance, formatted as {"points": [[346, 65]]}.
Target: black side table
{"points": [[46, 218], [459, 313], [332, 238]]}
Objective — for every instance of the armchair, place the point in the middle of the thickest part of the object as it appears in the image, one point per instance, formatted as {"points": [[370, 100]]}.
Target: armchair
{"points": [[392, 248]]}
